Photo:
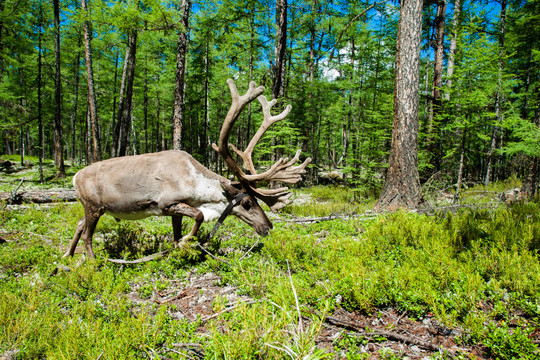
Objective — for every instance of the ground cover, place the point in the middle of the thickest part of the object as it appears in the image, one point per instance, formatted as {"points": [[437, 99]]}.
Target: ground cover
{"points": [[331, 281]]}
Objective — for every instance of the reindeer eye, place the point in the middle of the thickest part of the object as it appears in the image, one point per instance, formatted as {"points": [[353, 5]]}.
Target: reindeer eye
{"points": [[247, 204]]}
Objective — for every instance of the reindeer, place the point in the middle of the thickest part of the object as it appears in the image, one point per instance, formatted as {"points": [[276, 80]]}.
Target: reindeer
{"points": [[172, 183]]}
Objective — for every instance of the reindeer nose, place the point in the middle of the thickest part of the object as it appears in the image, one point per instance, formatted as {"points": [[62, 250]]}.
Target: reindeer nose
{"points": [[264, 230]]}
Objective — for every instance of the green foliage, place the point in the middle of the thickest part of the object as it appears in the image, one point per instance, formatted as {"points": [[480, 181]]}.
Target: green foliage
{"points": [[351, 344], [467, 269], [325, 201], [506, 343]]}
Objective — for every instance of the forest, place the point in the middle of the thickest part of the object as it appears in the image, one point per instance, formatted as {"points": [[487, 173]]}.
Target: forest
{"points": [[87, 81], [415, 233]]}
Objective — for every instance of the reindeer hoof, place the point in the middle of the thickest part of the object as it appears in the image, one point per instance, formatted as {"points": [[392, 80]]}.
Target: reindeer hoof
{"points": [[183, 242]]}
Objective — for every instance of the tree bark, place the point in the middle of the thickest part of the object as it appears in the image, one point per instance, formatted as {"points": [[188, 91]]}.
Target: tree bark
{"points": [[179, 85], [92, 107], [531, 181], [402, 185], [38, 197], [2, 6], [436, 93], [119, 114], [452, 49], [39, 88], [76, 72], [278, 86], [58, 140], [125, 111], [145, 105], [499, 96]]}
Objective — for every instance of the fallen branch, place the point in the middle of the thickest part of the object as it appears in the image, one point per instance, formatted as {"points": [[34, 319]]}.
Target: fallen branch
{"points": [[387, 334], [141, 260], [38, 197], [454, 208], [206, 318], [298, 220], [212, 255]]}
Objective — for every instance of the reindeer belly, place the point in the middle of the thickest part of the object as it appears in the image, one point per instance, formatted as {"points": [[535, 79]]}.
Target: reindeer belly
{"points": [[136, 215]]}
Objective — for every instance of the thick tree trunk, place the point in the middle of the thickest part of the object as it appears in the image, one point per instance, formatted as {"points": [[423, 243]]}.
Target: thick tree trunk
{"points": [[179, 96], [92, 107], [402, 185], [499, 96], [58, 140]]}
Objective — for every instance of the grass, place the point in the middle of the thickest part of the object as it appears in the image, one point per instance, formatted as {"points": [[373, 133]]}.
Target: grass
{"points": [[29, 173], [476, 270]]}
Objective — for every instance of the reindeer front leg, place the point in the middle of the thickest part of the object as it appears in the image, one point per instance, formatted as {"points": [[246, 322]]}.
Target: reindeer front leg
{"points": [[80, 228], [177, 211]]}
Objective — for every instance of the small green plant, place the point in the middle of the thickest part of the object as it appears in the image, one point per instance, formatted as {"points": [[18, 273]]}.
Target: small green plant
{"points": [[506, 343], [131, 239], [351, 346]]}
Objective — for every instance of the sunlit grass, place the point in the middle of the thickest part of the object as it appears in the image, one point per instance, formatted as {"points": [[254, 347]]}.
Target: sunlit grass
{"points": [[477, 270]]}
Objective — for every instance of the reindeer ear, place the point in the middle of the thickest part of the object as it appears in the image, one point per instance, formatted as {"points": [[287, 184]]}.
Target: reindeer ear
{"points": [[230, 187]]}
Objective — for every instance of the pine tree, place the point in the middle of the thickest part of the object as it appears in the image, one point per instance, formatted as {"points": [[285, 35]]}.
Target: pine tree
{"points": [[402, 185]]}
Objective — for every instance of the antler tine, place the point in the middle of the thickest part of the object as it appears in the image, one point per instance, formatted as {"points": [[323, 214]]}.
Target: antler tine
{"points": [[274, 198], [238, 103], [268, 121]]}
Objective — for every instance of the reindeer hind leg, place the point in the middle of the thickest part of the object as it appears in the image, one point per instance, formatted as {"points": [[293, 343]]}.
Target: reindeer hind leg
{"points": [[90, 226]]}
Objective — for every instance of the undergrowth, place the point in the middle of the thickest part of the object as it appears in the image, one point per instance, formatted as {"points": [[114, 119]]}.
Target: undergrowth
{"points": [[477, 270]]}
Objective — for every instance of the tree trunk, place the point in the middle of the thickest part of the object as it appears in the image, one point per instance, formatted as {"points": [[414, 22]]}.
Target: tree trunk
{"points": [[92, 107], [278, 86], [206, 121], [452, 49], [38, 197], [145, 106], [113, 138], [125, 111], [499, 96], [2, 6], [158, 116], [179, 85], [58, 140], [121, 100], [460, 167], [402, 185], [39, 109], [76, 74], [531, 181], [434, 140]]}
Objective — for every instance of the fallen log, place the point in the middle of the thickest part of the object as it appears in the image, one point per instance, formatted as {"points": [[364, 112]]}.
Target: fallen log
{"points": [[38, 197]]}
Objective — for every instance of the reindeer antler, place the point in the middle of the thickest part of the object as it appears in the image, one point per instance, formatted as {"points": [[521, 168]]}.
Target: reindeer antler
{"points": [[283, 170]]}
